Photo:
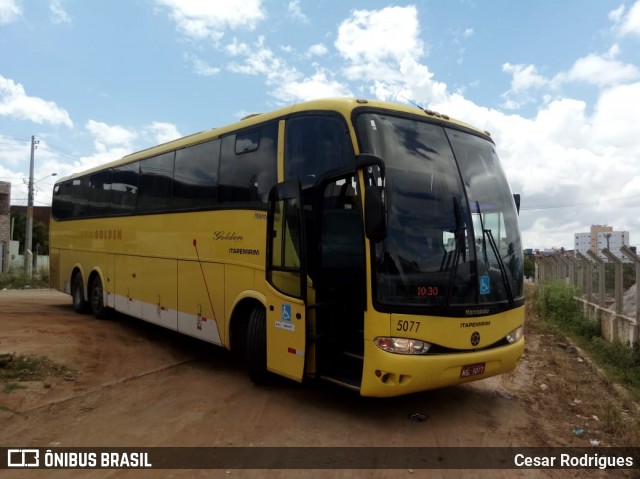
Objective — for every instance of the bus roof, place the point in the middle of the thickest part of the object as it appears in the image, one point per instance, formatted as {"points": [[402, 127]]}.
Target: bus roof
{"points": [[341, 105]]}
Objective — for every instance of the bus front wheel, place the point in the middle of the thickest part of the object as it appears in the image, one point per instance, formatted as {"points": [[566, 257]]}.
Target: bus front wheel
{"points": [[80, 304], [96, 296], [257, 346]]}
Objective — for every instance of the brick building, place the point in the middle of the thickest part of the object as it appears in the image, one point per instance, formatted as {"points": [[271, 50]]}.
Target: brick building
{"points": [[5, 225]]}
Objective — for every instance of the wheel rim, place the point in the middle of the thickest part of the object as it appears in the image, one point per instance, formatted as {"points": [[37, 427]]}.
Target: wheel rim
{"points": [[96, 295], [77, 294]]}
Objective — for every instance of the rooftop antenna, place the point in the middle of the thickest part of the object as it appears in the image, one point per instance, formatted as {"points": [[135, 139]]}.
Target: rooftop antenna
{"points": [[413, 103]]}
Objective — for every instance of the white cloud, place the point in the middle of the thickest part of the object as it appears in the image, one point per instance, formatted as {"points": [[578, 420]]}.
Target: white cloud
{"points": [[616, 120], [564, 122], [318, 85], [628, 24], [524, 77], [201, 20], [295, 12], [317, 50], [15, 103], [13, 151], [163, 132], [108, 136], [58, 13], [382, 50], [10, 11], [200, 67], [601, 71], [287, 83], [259, 60], [379, 36], [415, 82], [616, 15]]}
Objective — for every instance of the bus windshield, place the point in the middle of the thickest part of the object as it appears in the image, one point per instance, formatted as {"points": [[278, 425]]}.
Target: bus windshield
{"points": [[452, 234]]}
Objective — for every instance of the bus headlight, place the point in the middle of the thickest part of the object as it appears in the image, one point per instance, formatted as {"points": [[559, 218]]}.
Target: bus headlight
{"points": [[402, 345], [515, 335]]}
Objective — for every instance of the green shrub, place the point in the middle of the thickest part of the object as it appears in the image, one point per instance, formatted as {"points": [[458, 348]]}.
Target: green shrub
{"points": [[556, 303], [559, 310], [19, 280]]}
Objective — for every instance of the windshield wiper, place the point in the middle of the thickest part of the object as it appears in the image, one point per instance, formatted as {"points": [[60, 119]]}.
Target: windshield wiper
{"points": [[488, 234], [459, 251]]}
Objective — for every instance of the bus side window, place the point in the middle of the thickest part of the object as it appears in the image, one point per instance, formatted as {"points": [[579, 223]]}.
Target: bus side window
{"points": [[62, 206], [124, 188], [195, 178], [155, 183], [79, 197], [248, 165], [99, 193], [316, 144]]}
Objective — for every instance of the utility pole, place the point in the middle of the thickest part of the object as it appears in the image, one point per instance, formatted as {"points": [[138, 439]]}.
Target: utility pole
{"points": [[28, 255]]}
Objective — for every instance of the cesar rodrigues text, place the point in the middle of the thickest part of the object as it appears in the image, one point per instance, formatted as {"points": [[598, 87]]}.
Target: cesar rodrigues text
{"points": [[567, 460]]}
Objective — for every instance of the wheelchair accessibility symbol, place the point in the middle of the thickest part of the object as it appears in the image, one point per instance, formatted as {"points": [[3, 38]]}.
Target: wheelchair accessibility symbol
{"points": [[286, 312], [485, 285]]}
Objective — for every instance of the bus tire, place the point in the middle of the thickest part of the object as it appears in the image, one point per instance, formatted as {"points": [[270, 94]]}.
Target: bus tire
{"points": [[257, 346], [96, 299], [80, 304]]}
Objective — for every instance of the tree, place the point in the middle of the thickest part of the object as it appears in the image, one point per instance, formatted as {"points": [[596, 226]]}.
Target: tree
{"points": [[40, 234], [529, 267]]}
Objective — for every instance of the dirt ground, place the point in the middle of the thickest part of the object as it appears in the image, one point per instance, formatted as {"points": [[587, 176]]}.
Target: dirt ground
{"points": [[129, 383]]}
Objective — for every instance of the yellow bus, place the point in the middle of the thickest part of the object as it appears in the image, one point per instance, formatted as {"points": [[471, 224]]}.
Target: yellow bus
{"points": [[366, 243]]}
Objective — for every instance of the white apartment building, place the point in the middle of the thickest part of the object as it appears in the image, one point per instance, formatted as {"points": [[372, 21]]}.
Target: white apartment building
{"points": [[601, 237]]}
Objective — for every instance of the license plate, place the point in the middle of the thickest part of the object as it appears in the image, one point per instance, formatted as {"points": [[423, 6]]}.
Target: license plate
{"points": [[472, 370]]}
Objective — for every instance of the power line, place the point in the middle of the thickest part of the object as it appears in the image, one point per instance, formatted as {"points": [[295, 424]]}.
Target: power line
{"points": [[14, 138], [56, 149], [573, 205], [60, 153]]}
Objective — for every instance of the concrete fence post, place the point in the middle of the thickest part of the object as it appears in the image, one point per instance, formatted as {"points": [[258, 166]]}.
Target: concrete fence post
{"points": [[601, 284], [553, 267], [543, 270], [617, 262], [629, 253], [574, 265], [567, 269], [587, 275]]}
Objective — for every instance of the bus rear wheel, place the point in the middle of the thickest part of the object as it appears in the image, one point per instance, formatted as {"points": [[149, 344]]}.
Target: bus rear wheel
{"points": [[80, 304], [96, 296], [257, 347]]}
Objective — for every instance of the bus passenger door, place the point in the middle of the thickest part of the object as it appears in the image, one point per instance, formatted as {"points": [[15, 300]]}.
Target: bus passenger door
{"points": [[287, 278]]}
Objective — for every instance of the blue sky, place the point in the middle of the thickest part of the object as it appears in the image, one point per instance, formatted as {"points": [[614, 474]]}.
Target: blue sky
{"points": [[557, 84]]}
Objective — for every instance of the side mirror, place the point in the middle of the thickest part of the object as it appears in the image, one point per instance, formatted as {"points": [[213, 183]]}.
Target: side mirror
{"points": [[375, 214], [516, 198], [375, 209]]}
